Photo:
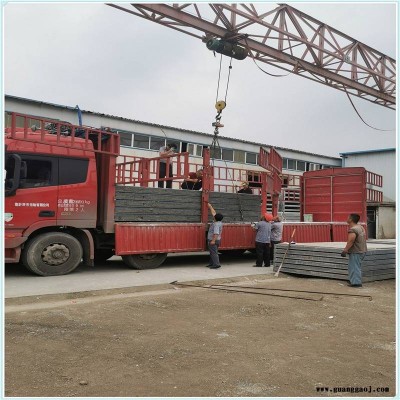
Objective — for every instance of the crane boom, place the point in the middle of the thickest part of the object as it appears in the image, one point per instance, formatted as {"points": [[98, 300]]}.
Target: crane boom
{"points": [[288, 39]]}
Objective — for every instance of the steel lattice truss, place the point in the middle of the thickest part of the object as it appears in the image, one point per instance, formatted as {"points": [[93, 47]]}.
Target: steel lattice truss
{"points": [[288, 39]]}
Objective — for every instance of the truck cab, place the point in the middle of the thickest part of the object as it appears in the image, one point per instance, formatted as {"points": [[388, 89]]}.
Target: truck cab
{"points": [[51, 197]]}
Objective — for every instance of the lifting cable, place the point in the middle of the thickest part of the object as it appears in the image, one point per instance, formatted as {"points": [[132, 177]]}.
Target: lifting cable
{"points": [[220, 105]]}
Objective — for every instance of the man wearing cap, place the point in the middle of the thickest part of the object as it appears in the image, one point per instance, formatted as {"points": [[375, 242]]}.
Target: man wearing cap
{"points": [[214, 238], [245, 188], [263, 241], [165, 152]]}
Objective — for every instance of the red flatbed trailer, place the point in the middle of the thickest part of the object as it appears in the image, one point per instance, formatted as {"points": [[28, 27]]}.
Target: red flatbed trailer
{"points": [[69, 213], [54, 222]]}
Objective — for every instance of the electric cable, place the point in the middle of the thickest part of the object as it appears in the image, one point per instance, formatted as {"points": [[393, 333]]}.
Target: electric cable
{"points": [[320, 80], [355, 109], [265, 72]]}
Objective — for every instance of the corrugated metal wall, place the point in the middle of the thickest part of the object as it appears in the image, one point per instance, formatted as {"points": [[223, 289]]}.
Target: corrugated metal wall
{"points": [[137, 238], [307, 232], [332, 194]]}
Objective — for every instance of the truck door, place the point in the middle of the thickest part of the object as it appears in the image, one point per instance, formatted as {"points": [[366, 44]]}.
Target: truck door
{"points": [[35, 198], [77, 196]]}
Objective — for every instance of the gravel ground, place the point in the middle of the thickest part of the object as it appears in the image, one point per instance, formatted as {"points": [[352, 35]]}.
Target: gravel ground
{"points": [[166, 341]]}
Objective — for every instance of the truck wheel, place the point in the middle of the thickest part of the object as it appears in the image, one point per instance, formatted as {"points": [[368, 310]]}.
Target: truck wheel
{"points": [[52, 254], [102, 255], [144, 261]]}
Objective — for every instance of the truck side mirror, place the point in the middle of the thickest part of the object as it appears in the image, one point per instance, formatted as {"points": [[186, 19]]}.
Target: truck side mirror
{"points": [[13, 164]]}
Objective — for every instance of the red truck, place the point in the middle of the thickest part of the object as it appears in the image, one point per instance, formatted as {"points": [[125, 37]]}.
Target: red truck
{"points": [[68, 200]]}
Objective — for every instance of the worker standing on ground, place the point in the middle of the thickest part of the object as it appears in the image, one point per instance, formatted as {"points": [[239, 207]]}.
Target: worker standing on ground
{"points": [[245, 188], [276, 235], [214, 238], [166, 151], [356, 248], [194, 182], [263, 242]]}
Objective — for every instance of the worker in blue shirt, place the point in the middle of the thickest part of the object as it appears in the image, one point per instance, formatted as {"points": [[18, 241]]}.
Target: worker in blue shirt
{"points": [[263, 242]]}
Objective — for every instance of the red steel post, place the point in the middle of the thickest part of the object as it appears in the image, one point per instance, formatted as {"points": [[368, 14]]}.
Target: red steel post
{"points": [[144, 168], [208, 184], [302, 198], [264, 189]]}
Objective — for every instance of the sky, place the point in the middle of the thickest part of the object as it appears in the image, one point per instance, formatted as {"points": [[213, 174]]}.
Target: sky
{"points": [[108, 61]]}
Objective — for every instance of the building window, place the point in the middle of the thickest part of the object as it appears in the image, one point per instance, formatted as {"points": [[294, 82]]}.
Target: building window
{"points": [[284, 163], [125, 138], [215, 153], [190, 148], [181, 146], [313, 167], [141, 141], [156, 143], [301, 165], [291, 164], [199, 150], [251, 158], [239, 156], [227, 154], [7, 120], [20, 121]]}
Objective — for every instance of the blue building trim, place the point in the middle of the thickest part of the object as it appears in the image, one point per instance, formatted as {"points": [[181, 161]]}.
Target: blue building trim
{"points": [[367, 151]]}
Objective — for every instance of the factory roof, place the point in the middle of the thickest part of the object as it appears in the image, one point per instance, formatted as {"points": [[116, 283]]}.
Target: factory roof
{"points": [[162, 126], [351, 153]]}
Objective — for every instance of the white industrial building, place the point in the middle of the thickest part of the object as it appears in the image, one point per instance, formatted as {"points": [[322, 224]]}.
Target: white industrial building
{"points": [[382, 162], [381, 217], [143, 139]]}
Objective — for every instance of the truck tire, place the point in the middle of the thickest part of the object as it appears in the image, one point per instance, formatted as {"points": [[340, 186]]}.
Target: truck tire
{"points": [[144, 261], [52, 254]]}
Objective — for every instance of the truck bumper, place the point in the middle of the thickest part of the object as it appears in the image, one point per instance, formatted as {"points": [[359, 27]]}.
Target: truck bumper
{"points": [[12, 251]]}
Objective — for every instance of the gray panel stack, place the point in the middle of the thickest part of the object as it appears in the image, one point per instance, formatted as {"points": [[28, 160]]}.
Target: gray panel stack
{"points": [[233, 206], [140, 204], [324, 260]]}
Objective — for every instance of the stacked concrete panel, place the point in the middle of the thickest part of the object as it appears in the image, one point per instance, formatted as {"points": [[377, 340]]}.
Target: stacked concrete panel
{"points": [[141, 204], [236, 207], [324, 260]]}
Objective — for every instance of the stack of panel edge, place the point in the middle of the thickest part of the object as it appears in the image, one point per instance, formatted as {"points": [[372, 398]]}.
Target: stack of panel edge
{"points": [[142, 204], [324, 260]]}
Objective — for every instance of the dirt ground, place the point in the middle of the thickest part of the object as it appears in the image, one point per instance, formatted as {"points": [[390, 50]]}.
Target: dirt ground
{"points": [[166, 341]]}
